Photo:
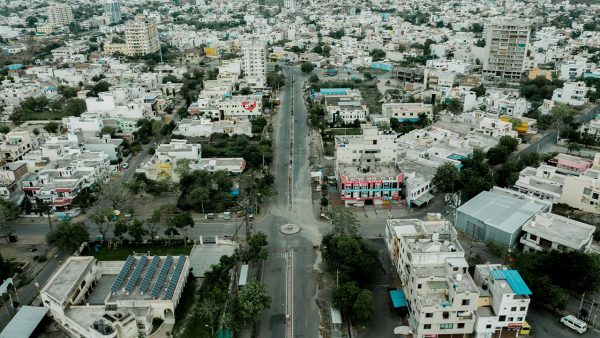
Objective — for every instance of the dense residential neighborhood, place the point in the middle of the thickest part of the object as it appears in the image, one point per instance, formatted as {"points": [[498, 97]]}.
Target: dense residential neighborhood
{"points": [[299, 168]]}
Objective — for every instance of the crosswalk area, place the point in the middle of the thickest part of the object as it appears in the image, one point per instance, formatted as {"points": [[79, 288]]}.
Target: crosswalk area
{"points": [[298, 200]]}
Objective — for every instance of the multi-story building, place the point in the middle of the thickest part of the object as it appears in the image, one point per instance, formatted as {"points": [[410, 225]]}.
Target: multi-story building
{"points": [[60, 15], [542, 182], [141, 36], [583, 192], [167, 157], [254, 63], [569, 164], [290, 4], [205, 127], [10, 176], [503, 301], [112, 11], [365, 167], [554, 232], [442, 299], [240, 107], [506, 49], [572, 93], [73, 172], [407, 112], [17, 143], [118, 299]]}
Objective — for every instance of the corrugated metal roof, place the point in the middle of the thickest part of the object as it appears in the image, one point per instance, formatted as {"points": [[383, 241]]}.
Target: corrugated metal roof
{"points": [[501, 211], [514, 279], [24, 322]]}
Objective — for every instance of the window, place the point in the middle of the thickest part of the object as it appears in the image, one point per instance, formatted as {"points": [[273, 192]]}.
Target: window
{"points": [[429, 315], [460, 325], [419, 286], [427, 326], [446, 326], [502, 318], [533, 237], [488, 326], [514, 308], [465, 302], [510, 319], [522, 308], [446, 315], [595, 195], [519, 319]]}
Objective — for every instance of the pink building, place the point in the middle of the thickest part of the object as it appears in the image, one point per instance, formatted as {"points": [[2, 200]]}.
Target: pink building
{"points": [[571, 164]]}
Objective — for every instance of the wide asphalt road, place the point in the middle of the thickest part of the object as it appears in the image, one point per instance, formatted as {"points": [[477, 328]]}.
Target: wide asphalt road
{"points": [[306, 318]]}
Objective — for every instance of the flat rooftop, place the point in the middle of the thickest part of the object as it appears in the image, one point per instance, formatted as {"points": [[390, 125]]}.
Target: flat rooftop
{"points": [[374, 171], [501, 210], [565, 231], [66, 278]]}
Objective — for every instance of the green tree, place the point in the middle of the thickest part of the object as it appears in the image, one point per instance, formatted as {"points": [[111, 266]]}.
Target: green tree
{"points": [[498, 154], [344, 222], [102, 218], [137, 231], [110, 130], [74, 107], [180, 221], [344, 297], [253, 300], [313, 78], [120, 229], [153, 224], [51, 127], [67, 92], [68, 236], [362, 309], [509, 142], [182, 167], [446, 177], [350, 258], [31, 21], [198, 196], [245, 91], [9, 211], [4, 129], [307, 67], [256, 249], [377, 54]]}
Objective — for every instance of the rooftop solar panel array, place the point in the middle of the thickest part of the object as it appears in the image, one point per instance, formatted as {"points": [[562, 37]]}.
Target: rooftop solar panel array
{"points": [[158, 284], [175, 277], [121, 276], [149, 274], [136, 274]]}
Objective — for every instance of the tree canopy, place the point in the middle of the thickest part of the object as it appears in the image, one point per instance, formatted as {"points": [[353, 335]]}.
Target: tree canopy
{"points": [[446, 177], [68, 236]]}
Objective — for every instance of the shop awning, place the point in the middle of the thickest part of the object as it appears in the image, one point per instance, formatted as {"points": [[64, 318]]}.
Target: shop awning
{"points": [[398, 298], [423, 199]]}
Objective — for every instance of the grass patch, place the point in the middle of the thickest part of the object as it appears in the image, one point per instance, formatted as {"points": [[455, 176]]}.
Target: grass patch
{"points": [[121, 252], [42, 116], [345, 131]]}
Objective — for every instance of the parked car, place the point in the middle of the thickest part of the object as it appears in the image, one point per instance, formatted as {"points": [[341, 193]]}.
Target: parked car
{"points": [[125, 165]]}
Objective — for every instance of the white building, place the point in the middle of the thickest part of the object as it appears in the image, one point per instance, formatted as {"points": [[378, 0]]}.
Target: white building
{"points": [[442, 299], [240, 107], [60, 15], [164, 163], [254, 63], [503, 301], [115, 299], [572, 93], [554, 232], [583, 192], [17, 143], [407, 112], [506, 49], [141, 36], [112, 11], [205, 127], [542, 182]]}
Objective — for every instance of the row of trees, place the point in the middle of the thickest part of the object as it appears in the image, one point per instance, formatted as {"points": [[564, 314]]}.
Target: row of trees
{"points": [[353, 262], [477, 174], [32, 108]]}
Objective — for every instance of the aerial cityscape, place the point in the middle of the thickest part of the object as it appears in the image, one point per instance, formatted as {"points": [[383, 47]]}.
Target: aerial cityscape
{"points": [[299, 168]]}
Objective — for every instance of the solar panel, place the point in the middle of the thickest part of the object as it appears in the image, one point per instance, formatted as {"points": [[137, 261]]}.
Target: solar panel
{"points": [[175, 277], [161, 276], [122, 274], [149, 274], [136, 274]]}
